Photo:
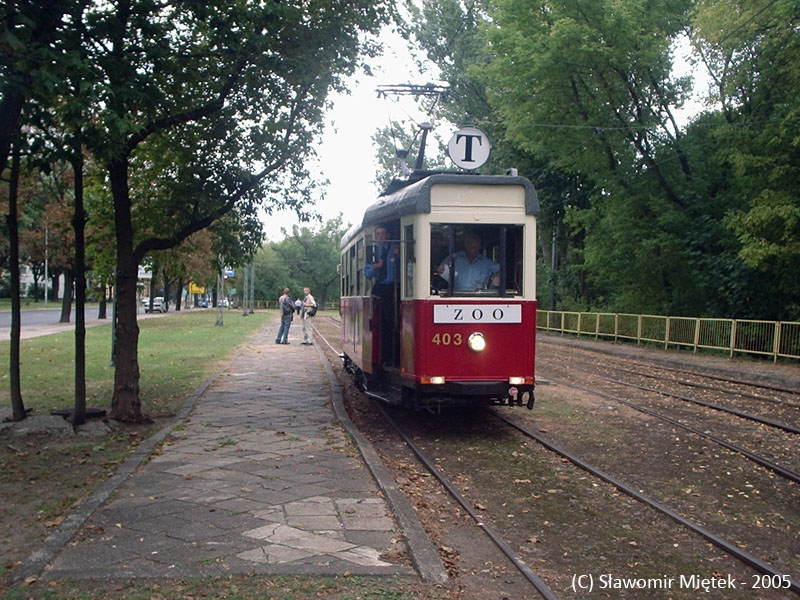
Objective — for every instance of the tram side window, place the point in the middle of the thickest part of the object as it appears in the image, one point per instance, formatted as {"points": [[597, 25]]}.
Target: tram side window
{"points": [[358, 273], [408, 269], [471, 260], [344, 275], [351, 280]]}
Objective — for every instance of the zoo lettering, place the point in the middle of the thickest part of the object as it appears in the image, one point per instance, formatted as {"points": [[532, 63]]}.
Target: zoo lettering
{"points": [[477, 314]]}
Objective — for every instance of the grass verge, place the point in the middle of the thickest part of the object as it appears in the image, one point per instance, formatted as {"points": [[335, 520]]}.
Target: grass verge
{"points": [[42, 478], [176, 353]]}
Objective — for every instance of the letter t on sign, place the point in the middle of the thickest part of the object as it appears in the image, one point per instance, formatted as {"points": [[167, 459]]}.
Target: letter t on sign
{"points": [[469, 148]]}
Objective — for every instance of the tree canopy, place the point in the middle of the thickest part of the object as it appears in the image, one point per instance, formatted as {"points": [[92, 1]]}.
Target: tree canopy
{"points": [[194, 111], [648, 213]]}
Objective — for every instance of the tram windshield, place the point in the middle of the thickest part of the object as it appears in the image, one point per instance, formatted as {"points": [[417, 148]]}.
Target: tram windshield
{"points": [[469, 260]]}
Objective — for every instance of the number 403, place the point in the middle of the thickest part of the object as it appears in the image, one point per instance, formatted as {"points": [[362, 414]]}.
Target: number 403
{"points": [[446, 339]]}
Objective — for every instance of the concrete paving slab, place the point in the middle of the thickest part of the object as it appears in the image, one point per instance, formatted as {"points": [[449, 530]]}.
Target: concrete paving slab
{"points": [[262, 476]]}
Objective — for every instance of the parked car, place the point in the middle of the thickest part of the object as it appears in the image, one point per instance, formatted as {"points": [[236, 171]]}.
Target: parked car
{"points": [[202, 303], [158, 304]]}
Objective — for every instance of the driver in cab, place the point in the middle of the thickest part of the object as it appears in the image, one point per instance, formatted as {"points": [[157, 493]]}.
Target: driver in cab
{"points": [[473, 270]]}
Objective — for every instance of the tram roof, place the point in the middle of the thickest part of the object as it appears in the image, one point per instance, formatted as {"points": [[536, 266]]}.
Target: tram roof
{"points": [[415, 198]]}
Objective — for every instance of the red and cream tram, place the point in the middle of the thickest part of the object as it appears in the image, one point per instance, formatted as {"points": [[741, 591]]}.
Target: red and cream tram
{"points": [[450, 319]]}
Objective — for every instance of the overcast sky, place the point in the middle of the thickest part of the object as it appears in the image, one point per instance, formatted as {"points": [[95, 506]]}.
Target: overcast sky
{"points": [[347, 156]]}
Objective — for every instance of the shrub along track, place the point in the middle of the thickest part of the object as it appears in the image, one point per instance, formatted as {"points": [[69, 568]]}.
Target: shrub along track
{"points": [[561, 521]]}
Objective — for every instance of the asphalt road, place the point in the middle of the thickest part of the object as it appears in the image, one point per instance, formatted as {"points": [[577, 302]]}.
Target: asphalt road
{"points": [[46, 316]]}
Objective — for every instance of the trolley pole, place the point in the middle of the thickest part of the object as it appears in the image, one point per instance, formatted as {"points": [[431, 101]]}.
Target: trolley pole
{"points": [[245, 294], [252, 286], [220, 293]]}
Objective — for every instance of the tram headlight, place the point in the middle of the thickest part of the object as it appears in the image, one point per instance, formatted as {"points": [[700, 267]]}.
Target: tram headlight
{"points": [[476, 342]]}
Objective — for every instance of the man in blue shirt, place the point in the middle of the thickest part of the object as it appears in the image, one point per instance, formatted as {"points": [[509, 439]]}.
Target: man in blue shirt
{"points": [[383, 269], [473, 270], [384, 272]]}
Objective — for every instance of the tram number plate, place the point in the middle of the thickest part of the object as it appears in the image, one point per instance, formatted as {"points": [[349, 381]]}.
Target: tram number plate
{"points": [[477, 313]]}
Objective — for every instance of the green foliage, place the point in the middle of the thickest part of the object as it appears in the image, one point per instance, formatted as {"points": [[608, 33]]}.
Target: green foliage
{"points": [[307, 258], [644, 214]]}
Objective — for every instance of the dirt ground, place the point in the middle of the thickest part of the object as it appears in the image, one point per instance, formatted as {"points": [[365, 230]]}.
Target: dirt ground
{"points": [[560, 520]]}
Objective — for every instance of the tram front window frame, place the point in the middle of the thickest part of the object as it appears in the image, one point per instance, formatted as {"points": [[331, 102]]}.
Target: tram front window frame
{"points": [[497, 269]]}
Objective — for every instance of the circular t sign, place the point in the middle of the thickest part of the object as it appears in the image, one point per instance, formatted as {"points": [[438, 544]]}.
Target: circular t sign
{"points": [[469, 148]]}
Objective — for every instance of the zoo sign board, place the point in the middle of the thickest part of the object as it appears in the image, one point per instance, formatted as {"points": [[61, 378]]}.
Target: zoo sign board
{"points": [[477, 313]]}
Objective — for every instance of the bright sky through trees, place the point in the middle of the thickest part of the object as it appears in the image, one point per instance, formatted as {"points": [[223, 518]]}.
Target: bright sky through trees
{"points": [[347, 155]]}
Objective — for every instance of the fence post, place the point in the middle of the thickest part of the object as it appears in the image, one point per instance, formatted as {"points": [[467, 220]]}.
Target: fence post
{"points": [[776, 346], [696, 334], [597, 327], [616, 327], [666, 335], [733, 336], [562, 322], [639, 331]]}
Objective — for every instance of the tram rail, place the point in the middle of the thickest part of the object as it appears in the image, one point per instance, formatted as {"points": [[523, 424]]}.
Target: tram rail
{"points": [[713, 388], [726, 546], [661, 366], [756, 458]]}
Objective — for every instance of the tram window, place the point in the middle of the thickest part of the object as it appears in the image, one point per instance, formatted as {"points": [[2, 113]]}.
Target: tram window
{"points": [[350, 279], [408, 270], [358, 268], [344, 275], [471, 260]]}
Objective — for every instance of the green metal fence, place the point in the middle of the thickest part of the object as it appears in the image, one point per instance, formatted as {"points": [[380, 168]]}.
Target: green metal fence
{"points": [[778, 339]]}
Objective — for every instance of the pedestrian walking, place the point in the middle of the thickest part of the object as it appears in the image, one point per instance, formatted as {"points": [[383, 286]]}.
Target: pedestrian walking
{"points": [[308, 312], [286, 306]]}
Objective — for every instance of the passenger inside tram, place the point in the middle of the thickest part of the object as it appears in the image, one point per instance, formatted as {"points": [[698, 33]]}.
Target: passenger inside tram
{"points": [[472, 270], [383, 270], [489, 264]]}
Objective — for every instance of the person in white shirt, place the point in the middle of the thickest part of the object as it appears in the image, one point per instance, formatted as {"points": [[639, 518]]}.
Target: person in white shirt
{"points": [[307, 313]]}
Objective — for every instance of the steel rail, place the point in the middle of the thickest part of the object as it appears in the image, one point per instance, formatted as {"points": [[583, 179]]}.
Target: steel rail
{"points": [[755, 384], [526, 571], [706, 387], [756, 458], [733, 411], [724, 545]]}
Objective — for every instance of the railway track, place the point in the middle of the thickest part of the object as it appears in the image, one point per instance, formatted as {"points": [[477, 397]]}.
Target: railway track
{"points": [[726, 546], [687, 377]]}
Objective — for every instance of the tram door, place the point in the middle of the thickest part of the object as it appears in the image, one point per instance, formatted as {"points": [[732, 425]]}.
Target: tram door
{"points": [[384, 268]]}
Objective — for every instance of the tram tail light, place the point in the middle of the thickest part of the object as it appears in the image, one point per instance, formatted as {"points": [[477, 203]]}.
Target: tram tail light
{"points": [[520, 380], [435, 380]]}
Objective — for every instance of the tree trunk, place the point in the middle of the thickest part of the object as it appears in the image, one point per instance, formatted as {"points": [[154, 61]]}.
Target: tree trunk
{"points": [[102, 309], [17, 406], [66, 302], [125, 405], [179, 295], [166, 287], [54, 281], [79, 225]]}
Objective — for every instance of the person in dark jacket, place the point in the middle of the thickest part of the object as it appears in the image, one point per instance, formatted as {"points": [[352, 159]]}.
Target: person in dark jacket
{"points": [[286, 306]]}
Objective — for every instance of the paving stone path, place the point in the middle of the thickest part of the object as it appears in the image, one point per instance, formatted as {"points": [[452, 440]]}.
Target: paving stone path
{"points": [[260, 477]]}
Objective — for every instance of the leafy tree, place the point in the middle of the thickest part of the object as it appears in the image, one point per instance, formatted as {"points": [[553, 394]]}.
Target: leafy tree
{"points": [[232, 93], [750, 50], [312, 256]]}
